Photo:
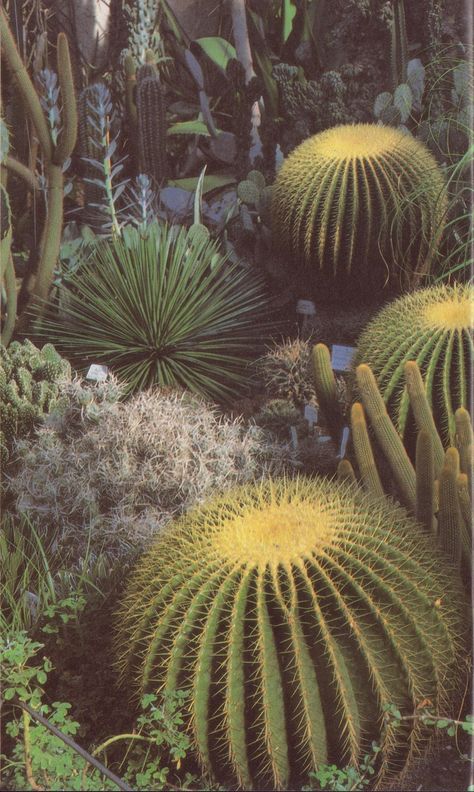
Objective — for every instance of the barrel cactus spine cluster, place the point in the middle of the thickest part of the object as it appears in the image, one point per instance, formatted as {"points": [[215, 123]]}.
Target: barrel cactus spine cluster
{"points": [[359, 204], [257, 604]]}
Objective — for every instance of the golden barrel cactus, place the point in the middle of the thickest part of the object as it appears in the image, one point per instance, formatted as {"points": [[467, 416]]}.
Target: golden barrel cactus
{"points": [[361, 206], [435, 327], [292, 611]]}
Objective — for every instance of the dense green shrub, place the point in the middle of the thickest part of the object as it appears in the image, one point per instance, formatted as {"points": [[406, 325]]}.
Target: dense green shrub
{"points": [[292, 611]]}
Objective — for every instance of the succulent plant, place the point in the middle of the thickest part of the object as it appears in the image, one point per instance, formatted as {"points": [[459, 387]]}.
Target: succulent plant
{"points": [[359, 206], [29, 387], [292, 611], [286, 372], [434, 327], [163, 308]]}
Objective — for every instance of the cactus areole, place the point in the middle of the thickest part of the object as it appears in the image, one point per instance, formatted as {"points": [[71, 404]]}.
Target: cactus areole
{"points": [[292, 611], [361, 207]]}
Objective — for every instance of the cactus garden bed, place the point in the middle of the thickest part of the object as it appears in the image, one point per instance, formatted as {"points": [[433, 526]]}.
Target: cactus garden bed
{"points": [[236, 436]]}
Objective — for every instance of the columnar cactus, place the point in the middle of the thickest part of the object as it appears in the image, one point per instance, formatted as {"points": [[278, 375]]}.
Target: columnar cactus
{"points": [[151, 117], [292, 611], [359, 205], [434, 327], [29, 380]]}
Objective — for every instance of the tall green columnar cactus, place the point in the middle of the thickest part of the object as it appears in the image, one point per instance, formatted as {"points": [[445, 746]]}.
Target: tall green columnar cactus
{"points": [[358, 206], [363, 451], [292, 611], [399, 44], [425, 481], [326, 389], [151, 118], [435, 328], [387, 436], [7, 271], [55, 154]]}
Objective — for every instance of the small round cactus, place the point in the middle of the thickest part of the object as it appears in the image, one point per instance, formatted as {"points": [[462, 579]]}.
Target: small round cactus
{"points": [[359, 205], [28, 387], [292, 611], [433, 326]]}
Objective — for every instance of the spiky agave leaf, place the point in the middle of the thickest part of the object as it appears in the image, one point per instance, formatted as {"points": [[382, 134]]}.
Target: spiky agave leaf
{"points": [[163, 308], [292, 611], [337, 207], [433, 326]]}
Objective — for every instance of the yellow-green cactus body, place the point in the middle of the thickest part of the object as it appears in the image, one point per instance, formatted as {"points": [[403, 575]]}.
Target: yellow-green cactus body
{"points": [[292, 611], [360, 205], [433, 326]]}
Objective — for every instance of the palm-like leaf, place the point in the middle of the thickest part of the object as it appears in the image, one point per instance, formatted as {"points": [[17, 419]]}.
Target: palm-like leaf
{"points": [[163, 308]]}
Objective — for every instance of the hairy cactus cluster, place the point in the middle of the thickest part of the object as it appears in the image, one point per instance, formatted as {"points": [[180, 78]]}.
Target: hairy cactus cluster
{"points": [[435, 327], [359, 206], [292, 612], [286, 372], [117, 476], [29, 387]]}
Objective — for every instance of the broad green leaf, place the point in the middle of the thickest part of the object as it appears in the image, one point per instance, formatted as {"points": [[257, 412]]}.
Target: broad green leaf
{"points": [[211, 183], [382, 101], [188, 128], [218, 50], [288, 15]]}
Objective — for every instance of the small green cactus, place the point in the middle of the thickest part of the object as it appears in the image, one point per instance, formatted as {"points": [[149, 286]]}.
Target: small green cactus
{"points": [[292, 611], [29, 387], [255, 193]]}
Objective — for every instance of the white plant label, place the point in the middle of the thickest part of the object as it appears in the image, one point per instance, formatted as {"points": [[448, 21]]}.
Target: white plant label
{"points": [[97, 373], [342, 357], [344, 440], [311, 414], [294, 437], [305, 307]]}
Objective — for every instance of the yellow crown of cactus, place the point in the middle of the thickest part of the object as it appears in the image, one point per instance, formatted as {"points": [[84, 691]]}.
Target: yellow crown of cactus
{"points": [[434, 327], [360, 204], [292, 611]]}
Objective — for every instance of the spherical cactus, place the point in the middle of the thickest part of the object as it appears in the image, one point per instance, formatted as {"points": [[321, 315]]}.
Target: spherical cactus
{"points": [[433, 326], [292, 612], [360, 205]]}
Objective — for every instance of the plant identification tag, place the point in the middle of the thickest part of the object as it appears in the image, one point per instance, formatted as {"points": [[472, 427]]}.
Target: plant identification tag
{"points": [[342, 357], [306, 307], [97, 373], [311, 414], [344, 441], [294, 437]]}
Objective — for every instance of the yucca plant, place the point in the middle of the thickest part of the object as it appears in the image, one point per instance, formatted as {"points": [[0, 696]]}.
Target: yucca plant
{"points": [[434, 327], [163, 307], [292, 611], [335, 205]]}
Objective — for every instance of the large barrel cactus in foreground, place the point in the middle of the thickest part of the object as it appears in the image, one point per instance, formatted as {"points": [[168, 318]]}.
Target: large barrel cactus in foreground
{"points": [[292, 611], [434, 327], [359, 205]]}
